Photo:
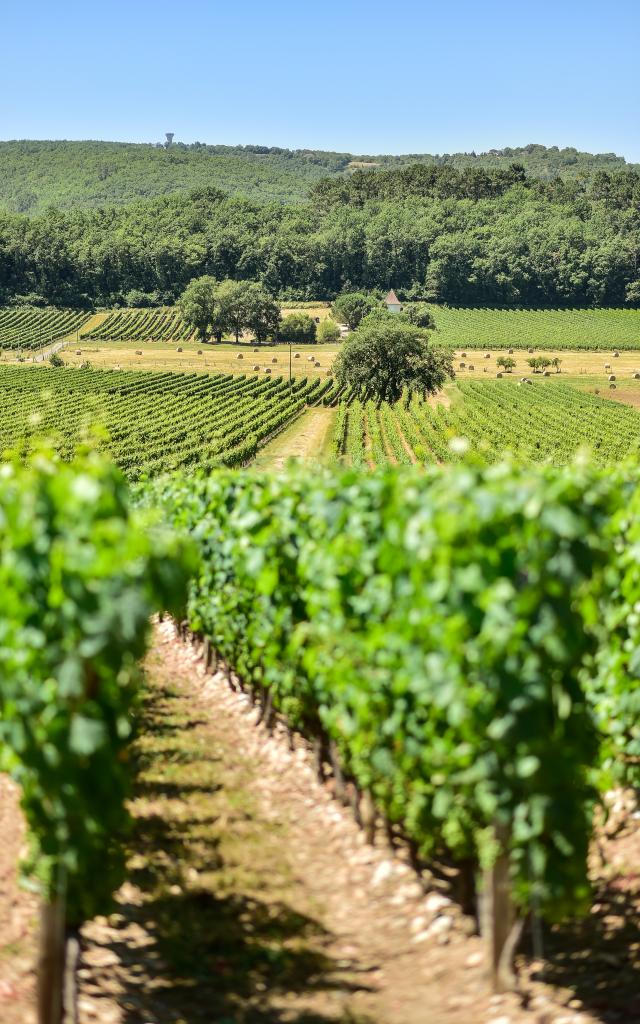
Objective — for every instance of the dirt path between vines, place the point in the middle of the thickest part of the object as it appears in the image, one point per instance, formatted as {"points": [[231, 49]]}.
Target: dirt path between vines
{"points": [[252, 898], [306, 438]]}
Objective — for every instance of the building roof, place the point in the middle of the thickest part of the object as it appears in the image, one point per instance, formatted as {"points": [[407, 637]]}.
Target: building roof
{"points": [[392, 299]]}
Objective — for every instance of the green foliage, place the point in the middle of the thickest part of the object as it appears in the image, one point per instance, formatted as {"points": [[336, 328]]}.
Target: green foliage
{"points": [[28, 327], [615, 691], [383, 360], [298, 328], [79, 576], [36, 175], [420, 314], [328, 332], [152, 422], [465, 240], [352, 307], [434, 625], [197, 305], [548, 421], [56, 361], [261, 312]]}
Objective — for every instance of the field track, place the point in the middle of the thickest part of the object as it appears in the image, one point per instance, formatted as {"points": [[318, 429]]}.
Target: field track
{"points": [[305, 439]]}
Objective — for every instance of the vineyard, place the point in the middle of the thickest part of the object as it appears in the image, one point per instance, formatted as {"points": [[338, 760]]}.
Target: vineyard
{"points": [[142, 325], [27, 328], [582, 329], [476, 729], [544, 421], [155, 422]]}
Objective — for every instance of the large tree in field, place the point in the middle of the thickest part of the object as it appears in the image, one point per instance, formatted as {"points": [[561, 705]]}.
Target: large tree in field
{"points": [[261, 312], [382, 360], [197, 304], [351, 307], [231, 312]]}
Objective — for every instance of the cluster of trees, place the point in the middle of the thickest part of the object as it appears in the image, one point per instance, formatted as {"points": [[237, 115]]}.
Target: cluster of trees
{"points": [[216, 308], [220, 308], [468, 239], [541, 363]]}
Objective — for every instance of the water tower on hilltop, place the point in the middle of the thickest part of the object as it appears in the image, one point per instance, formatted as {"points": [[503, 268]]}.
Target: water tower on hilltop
{"points": [[169, 137]]}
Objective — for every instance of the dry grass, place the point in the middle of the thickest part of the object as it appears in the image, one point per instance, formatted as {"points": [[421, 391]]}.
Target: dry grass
{"points": [[573, 364], [214, 358]]}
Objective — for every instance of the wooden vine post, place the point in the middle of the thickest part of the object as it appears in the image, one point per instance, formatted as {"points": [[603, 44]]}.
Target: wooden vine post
{"points": [[500, 925], [51, 962]]}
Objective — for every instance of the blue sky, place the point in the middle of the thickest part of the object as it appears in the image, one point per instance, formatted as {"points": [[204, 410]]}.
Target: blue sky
{"points": [[351, 75]]}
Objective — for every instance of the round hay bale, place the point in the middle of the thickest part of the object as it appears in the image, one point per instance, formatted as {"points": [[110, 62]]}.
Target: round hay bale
{"points": [[296, 355], [613, 387], [510, 351], [256, 367], [612, 376], [78, 351], [607, 366], [636, 376], [138, 352], [596, 391], [199, 351], [499, 374], [239, 355], [179, 348], [311, 359], [463, 355], [316, 364], [547, 373], [615, 355], [275, 359], [267, 369], [256, 350], [471, 366], [487, 355], [462, 366], [529, 350]]}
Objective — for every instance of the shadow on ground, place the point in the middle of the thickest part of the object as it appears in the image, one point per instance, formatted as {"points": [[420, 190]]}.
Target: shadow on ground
{"points": [[201, 936]]}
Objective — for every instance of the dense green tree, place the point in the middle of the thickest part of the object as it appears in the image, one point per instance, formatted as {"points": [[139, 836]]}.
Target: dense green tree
{"points": [[297, 329], [261, 312], [420, 315], [351, 307], [384, 360], [328, 332], [198, 304]]}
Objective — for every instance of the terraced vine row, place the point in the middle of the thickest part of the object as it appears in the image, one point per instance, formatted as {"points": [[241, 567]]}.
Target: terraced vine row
{"points": [[155, 422], [546, 421], [538, 328], [27, 328], [164, 324]]}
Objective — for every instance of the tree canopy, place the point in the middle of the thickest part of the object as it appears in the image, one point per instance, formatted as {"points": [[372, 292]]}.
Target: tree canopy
{"points": [[383, 360], [453, 237]]}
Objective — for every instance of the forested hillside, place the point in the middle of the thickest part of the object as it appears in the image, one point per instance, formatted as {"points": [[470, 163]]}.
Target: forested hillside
{"points": [[35, 175], [465, 238]]}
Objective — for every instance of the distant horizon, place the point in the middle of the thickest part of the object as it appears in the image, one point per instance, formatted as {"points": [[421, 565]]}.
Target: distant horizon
{"points": [[429, 151]]}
